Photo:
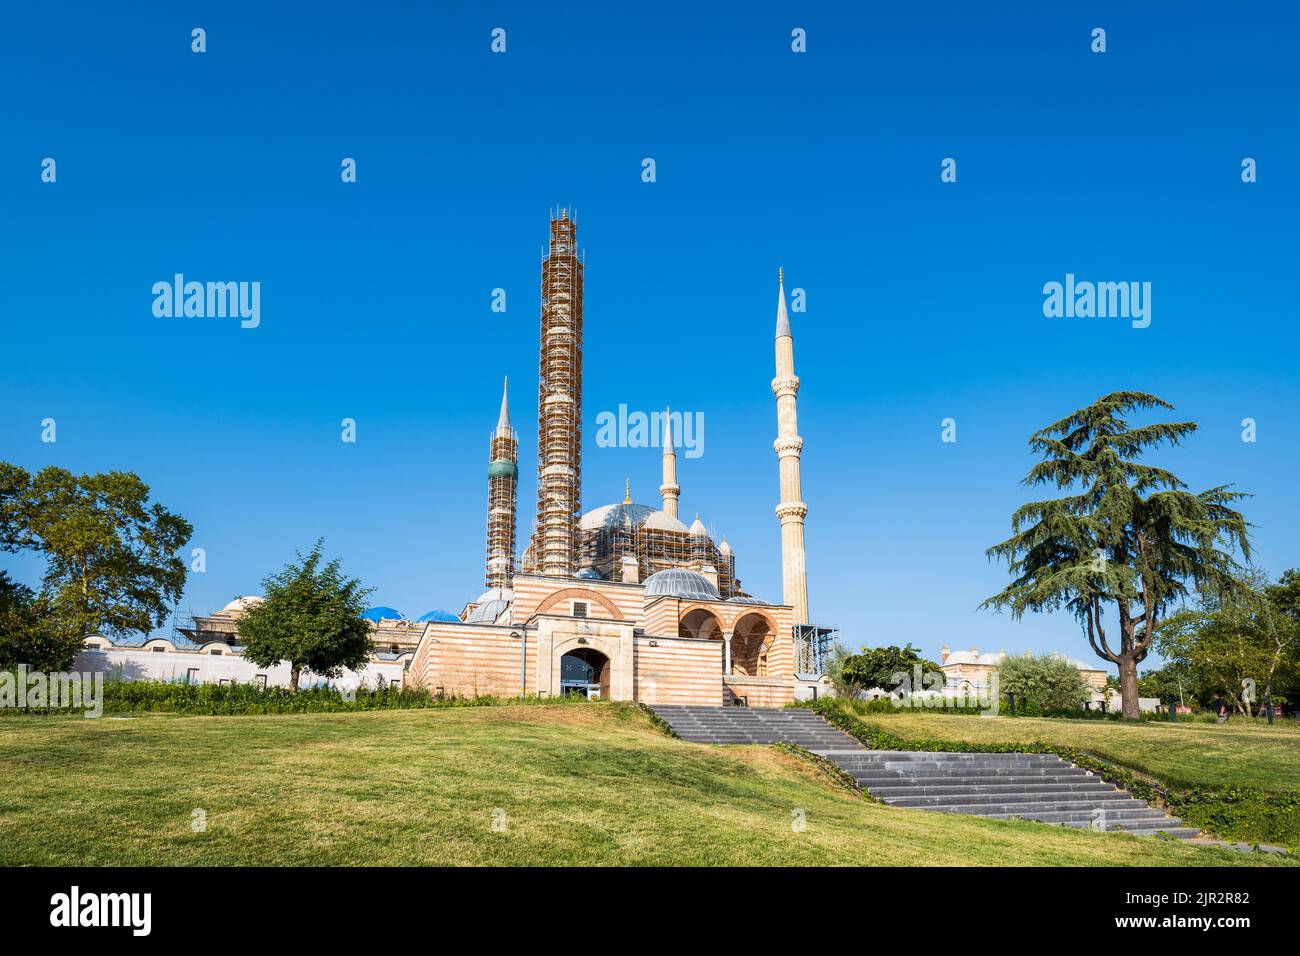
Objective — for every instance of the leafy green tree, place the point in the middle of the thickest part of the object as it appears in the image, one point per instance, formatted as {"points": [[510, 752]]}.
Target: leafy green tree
{"points": [[111, 556], [878, 667], [311, 618], [1241, 638], [1127, 538], [28, 634], [1175, 680], [1050, 682]]}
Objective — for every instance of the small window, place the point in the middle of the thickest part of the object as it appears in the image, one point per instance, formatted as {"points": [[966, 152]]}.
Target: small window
{"points": [[261, 678], [579, 608], [394, 648], [158, 650], [216, 651]]}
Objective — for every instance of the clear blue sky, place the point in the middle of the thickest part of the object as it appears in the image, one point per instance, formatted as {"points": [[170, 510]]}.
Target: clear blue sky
{"points": [[924, 298]]}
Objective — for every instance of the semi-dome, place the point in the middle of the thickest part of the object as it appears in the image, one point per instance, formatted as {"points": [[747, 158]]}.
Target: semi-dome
{"points": [[624, 514], [241, 604], [488, 612], [679, 582], [437, 615], [382, 613], [663, 521]]}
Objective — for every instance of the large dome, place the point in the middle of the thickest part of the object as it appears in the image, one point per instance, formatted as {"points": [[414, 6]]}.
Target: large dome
{"points": [[626, 515], [679, 582]]}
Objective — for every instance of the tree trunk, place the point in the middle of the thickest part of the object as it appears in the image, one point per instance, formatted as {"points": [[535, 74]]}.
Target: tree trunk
{"points": [[293, 678], [1128, 687]]}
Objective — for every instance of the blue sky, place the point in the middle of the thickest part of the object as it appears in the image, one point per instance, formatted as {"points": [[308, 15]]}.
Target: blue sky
{"points": [[924, 298]]}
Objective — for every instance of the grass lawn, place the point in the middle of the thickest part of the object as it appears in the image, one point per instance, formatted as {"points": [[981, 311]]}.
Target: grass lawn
{"points": [[579, 784], [1183, 755]]}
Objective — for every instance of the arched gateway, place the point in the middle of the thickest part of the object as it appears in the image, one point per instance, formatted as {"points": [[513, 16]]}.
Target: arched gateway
{"points": [[585, 672]]}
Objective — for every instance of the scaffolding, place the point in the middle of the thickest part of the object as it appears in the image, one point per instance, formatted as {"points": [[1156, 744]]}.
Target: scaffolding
{"points": [[554, 548], [503, 481]]}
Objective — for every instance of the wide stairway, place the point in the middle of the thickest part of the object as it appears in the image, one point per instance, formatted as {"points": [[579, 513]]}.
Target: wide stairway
{"points": [[1039, 787]]}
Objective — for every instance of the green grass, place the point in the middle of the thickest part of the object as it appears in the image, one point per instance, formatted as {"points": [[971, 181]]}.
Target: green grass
{"points": [[579, 784], [1190, 755]]}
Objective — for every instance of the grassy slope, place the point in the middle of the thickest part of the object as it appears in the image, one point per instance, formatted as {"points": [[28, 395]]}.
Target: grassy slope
{"points": [[1182, 755], [591, 784]]}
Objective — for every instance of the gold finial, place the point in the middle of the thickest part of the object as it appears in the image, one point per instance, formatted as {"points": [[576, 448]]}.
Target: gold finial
{"points": [[780, 275], [627, 493]]}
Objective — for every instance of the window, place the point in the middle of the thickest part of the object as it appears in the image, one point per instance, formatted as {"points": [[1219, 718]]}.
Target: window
{"points": [[159, 650], [261, 678], [192, 675], [215, 650], [580, 608]]}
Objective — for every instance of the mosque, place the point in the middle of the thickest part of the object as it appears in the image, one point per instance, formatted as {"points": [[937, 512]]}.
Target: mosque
{"points": [[624, 601]]}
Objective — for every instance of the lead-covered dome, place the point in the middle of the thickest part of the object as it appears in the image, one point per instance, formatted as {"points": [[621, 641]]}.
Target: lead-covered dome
{"points": [[438, 615], [625, 515], [679, 582]]}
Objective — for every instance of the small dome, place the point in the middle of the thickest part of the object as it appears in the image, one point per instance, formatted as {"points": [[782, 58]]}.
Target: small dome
{"points": [[241, 604], [589, 574], [740, 599], [697, 527], [663, 521], [679, 582], [495, 594], [488, 612], [438, 615], [382, 613]]}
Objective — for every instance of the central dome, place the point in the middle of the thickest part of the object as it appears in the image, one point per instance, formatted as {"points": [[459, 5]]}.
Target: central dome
{"points": [[679, 582], [626, 515]]}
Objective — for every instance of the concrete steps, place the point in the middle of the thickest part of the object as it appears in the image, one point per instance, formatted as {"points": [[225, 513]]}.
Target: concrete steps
{"points": [[1040, 787]]}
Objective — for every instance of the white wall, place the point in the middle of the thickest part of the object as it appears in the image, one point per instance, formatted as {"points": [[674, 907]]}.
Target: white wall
{"points": [[168, 665]]}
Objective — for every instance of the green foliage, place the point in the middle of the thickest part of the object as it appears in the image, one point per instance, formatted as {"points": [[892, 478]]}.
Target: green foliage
{"points": [[311, 618], [1126, 536], [1050, 682], [111, 557], [888, 668], [29, 634], [1235, 813], [1245, 635]]}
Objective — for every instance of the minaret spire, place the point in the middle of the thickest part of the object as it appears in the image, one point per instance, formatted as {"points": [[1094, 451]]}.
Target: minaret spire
{"points": [[789, 447], [669, 490], [503, 480]]}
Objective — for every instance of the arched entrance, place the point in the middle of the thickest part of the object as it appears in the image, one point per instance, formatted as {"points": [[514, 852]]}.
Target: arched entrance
{"points": [[584, 671], [701, 624], [750, 642]]}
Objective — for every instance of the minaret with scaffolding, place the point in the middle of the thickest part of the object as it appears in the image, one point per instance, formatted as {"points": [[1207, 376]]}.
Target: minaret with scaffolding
{"points": [[554, 547], [503, 496]]}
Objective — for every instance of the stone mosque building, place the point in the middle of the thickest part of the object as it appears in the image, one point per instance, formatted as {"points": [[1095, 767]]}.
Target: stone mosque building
{"points": [[624, 600]]}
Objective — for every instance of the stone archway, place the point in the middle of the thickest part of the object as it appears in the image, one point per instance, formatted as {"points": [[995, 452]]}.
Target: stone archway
{"points": [[700, 623], [751, 640], [585, 671]]}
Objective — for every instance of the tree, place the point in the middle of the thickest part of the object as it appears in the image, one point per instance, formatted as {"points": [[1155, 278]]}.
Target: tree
{"points": [[111, 556], [311, 618], [878, 667], [1241, 640], [1128, 537], [28, 634], [1050, 682]]}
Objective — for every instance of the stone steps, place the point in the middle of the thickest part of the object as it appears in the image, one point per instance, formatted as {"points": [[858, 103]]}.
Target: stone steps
{"points": [[1040, 787]]}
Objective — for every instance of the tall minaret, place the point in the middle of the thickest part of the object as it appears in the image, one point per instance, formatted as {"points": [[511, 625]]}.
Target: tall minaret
{"points": [[789, 446], [669, 490], [503, 480], [554, 548]]}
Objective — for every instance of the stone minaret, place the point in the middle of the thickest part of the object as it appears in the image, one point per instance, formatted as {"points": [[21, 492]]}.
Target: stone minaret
{"points": [[503, 480], [554, 548], [669, 490], [789, 446]]}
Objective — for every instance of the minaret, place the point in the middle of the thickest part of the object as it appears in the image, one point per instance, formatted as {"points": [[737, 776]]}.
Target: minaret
{"points": [[554, 547], [503, 479], [789, 446], [669, 490]]}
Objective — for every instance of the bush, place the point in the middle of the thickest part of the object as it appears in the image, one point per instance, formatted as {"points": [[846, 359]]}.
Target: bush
{"points": [[1050, 683]]}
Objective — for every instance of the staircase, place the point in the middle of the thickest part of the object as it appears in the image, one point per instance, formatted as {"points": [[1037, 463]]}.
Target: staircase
{"points": [[1039, 787]]}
